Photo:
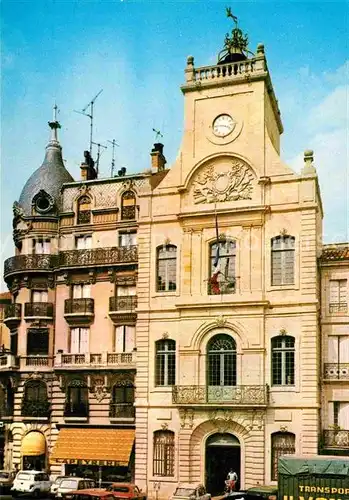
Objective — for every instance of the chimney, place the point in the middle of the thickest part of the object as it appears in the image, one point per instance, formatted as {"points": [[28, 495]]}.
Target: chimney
{"points": [[158, 161], [88, 171]]}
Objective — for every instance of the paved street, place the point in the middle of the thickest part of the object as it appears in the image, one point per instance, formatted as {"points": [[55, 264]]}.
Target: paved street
{"points": [[9, 497]]}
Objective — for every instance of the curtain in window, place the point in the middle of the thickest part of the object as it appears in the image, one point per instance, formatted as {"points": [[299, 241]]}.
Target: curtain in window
{"points": [[83, 242], [39, 296], [81, 291], [127, 239]]}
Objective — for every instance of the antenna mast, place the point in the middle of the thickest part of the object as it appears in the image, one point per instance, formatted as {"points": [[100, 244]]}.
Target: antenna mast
{"points": [[90, 116], [99, 146], [114, 143]]}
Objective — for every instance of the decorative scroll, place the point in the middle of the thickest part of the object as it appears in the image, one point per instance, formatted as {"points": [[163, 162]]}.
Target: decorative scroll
{"points": [[235, 395]]}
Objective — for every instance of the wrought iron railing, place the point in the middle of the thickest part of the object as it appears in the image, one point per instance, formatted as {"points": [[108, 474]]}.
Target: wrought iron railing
{"points": [[123, 303], [334, 438], [84, 217], [128, 212], [35, 262], [234, 395], [336, 307], [98, 256], [121, 410], [79, 306], [35, 408], [38, 309], [75, 409], [13, 311], [336, 371]]}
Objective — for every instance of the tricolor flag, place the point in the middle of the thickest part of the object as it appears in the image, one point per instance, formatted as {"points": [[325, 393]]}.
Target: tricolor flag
{"points": [[215, 288]]}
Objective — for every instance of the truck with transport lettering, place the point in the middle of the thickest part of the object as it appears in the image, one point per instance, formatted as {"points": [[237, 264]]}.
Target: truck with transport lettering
{"points": [[313, 478]]}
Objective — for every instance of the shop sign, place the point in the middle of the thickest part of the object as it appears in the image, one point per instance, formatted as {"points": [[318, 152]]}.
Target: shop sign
{"points": [[76, 461]]}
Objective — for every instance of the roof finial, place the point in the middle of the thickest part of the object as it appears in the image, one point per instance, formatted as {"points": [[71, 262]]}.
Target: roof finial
{"points": [[235, 45], [54, 125]]}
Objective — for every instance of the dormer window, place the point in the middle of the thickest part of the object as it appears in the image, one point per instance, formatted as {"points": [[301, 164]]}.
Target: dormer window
{"points": [[128, 206]]}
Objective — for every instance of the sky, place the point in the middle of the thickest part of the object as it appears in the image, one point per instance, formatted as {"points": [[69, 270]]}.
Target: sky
{"points": [[66, 51]]}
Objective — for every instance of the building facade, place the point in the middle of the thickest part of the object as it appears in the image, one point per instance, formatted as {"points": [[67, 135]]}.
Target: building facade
{"points": [[169, 325]]}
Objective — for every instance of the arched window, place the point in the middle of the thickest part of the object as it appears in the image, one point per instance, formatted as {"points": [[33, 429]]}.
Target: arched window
{"points": [[165, 363], [166, 261], [163, 453], [222, 267], [84, 210], [282, 443], [221, 358], [282, 260], [122, 401], [283, 358], [35, 402], [76, 404], [128, 205]]}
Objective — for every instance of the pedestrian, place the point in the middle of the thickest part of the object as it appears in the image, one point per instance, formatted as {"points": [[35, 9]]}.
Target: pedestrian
{"points": [[231, 480]]}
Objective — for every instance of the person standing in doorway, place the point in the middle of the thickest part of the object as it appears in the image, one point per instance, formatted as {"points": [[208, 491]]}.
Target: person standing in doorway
{"points": [[231, 481]]}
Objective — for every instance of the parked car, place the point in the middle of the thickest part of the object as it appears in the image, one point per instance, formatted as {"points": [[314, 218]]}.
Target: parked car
{"points": [[55, 484], [191, 491], [89, 494], [31, 482], [255, 493], [127, 490], [69, 484], [6, 480]]}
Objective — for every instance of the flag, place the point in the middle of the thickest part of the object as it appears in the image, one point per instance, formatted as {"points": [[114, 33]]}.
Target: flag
{"points": [[215, 288]]}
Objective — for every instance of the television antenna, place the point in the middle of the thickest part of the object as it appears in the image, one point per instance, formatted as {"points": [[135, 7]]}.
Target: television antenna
{"points": [[158, 134], [114, 143], [99, 146], [90, 116]]}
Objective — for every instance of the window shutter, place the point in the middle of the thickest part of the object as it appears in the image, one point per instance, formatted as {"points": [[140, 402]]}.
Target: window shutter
{"points": [[39, 247], [334, 291], [88, 242], [36, 296], [121, 291], [119, 338], [333, 349], [44, 296], [79, 243], [344, 350], [343, 291], [130, 338], [343, 417], [330, 409], [86, 291], [46, 246], [74, 340], [77, 291], [84, 340]]}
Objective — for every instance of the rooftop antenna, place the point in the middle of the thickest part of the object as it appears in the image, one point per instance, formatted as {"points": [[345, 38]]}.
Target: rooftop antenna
{"points": [[99, 146], [90, 116], [114, 143], [158, 134]]}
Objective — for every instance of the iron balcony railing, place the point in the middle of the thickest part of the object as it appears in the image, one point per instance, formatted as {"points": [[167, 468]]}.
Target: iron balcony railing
{"points": [[121, 410], [336, 371], [6, 410], [79, 306], [98, 256], [333, 438], [123, 304], [75, 409], [250, 395], [35, 262], [35, 408], [38, 309], [129, 212], [13, 311]]}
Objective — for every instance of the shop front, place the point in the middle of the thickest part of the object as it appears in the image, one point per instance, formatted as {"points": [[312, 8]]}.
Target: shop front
{"points": [[33, 451], [105, 455]]}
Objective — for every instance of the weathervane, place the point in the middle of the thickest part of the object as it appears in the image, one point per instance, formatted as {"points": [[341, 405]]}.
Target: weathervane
{"points": [[234, 45], [157, 134]]}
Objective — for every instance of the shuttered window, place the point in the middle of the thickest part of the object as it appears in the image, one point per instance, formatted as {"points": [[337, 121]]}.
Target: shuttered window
{"points": [[127, 239], [165, 363], [124, 338], [81, 291], [338, 349], [79, 340], [282, 260], [39, 296], [83, 242], [338, 296], [282, 443], [163, 453], [42, 246]]}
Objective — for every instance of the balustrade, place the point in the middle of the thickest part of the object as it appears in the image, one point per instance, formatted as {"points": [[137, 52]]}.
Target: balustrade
{"points": [[121, 358], [98, 256], [225, 71], [95, 360], [336, 371], [121, 410], [34, 262], [38, 309], [36, 360], [336, 438], [252, 395]]}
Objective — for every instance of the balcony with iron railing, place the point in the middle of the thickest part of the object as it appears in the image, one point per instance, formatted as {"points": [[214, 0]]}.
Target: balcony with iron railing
{"points": [[36, 408], [336, 372], [239, 395], [76, 310], [111, 360], [123, 308], [8, 361], [38, 310], [99, 256], [76, 410], [336, 438], [30, 263], [121, 411], [12, 315]]}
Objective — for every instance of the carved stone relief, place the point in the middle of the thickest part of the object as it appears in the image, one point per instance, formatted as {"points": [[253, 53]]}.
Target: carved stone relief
{"points": [[98, 387]]}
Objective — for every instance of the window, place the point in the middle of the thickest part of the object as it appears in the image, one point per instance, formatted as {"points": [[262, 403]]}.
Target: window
{"points": [[283, 357], [338, 349], [77, 400], [84, 210], [82, 291], [166, 268], [128, 205], [165, 365], [79, 340], [35, 391], [222, 267], [338, 296], [341, 414], [122, 401], [282, 260], [83, 242], [127, 239], [163, 453], [41, 246], [37, 341], [39, 296], [282, 443], [221, 358], [14, 342], [125, 338], [123, 394]]}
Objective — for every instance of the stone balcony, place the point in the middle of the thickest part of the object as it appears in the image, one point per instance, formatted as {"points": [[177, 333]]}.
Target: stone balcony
{"points": [[29, 263], [239, 395], [38, 310], [109, 360], [79, 310], [336, 372], [99, 257], [8, 362], [13, 315], [336, 438], [123, 309], [38, 362]]}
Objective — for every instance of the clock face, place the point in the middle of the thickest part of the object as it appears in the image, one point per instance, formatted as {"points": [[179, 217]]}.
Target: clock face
{"points": [[223, 125]]}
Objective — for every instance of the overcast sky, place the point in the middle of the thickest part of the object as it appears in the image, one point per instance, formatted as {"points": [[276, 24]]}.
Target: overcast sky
{"points": [[67, 51]]}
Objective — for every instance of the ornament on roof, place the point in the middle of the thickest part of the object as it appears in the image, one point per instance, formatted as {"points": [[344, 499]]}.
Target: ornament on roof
{"points": [[235, 45]]}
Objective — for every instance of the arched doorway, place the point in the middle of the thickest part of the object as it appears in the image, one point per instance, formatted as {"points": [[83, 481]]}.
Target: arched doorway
{"points": [[222, 454], [33, 451]]}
